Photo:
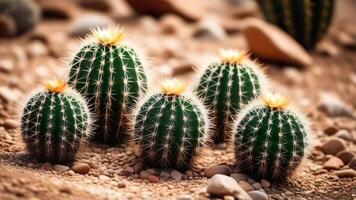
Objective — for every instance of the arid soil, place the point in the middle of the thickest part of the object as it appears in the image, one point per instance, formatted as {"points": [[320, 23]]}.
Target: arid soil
{"points": [[173, 49]]}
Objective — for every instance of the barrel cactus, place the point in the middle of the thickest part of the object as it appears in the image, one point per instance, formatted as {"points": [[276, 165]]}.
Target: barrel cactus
{"points": [[111, 75], [270, 138], [226, 86], [170, 127], [54, 123], [307, 21]]}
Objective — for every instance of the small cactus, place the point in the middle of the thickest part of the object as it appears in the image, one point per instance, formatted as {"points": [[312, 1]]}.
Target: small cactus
{"points": [[170, 127], [54, 123], [18, 16], [270, 139], [111, 76], [226, 86], [307, 21]]}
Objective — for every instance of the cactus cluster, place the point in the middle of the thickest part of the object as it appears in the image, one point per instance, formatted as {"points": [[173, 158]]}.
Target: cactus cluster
{"points": [[54, 123], [270, 138], [307, 21], [111, 76], [170, 127], [226, 86]]}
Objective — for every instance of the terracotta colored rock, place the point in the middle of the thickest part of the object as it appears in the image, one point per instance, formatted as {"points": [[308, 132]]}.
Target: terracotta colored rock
{"points": [[153, 179], [217, 169], [346, 156], [333, 163], [333, 146], [186, 9], [346, 173], [80, 168], [270, 43]]}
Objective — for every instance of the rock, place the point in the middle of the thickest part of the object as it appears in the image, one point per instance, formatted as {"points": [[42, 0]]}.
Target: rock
{"points": [[333, 163], [346, 156], [217, 169], [238, 176], [36, 49], [246, 186], [265, 183], [210, 30], [352, 164], [187, 10], [334, 106], [121, 185], [153, 179], [221, 185], [328, 49], [98, 5], [346, 173], [184, 197], [228, 197], [21, 155], [82, 26], [144, 174], [257, 185], [258, 195], [47, 166], [7, 94], [331, 130], [80, 168], [6, 65], [333, 146], [64, 9], [11, 124], [164, 175], [345, 135], [176, 175], [60, 168], [269, 42], [104, 178]]}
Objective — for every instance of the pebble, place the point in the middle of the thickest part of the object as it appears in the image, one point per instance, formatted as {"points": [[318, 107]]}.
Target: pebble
{"points": [[121, 185], [144, 174], [47, 166], [221, 185], [210, 30], [238, 176], [21, 155], [246, 186], [334, 106], [265, 183], [80, 168], [11, 124], [257, 186], [228, 197], [153, 179], [346, 173], [258, 195], [352, 164], [217, 169], [60, 168], [82, 26], [269, 42], [184, 197], [164, 175], [104, 178], [176, 175], [333, 146], [346, 156], [345, 135], [333, 163], [331, 130]]}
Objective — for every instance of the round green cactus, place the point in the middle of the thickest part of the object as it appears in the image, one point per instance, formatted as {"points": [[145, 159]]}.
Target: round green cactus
{"points": [[307, 21], [112, 78], [270, 139], [170, 128], [226, 86], [54, 123]]}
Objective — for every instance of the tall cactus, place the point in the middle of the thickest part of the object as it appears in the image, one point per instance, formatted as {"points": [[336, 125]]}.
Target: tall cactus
{"points": [[54, 123], [307, 21], [270, 138], [170, 127], [226, 86], [110, 74]]}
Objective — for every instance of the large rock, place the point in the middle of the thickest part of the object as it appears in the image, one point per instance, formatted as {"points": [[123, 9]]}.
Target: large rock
{"points": [[271, 43], [221, 185], [186, 9], [333, 163]]}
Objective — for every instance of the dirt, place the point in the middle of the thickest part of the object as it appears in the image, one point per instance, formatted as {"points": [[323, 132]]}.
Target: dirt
{"points": [[115, 171]]}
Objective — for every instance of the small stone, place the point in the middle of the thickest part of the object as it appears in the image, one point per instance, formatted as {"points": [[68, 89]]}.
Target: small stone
{"points": [[265, 183], [258, 195], [352, 164], [210, 30], [104, 178], [228, 197], [82, 26], [246, 186], [6, 65], [217, 169], [333, 163], [21, 155], [138, 167], [176, 175], [11, 124], [184, 197], [144, 174], [346, 156], [80, 168], [333, 146], [239, 177], [334, 106], [330, 130], [164, 175], [47, 166], [153, 171], [60, 168], [345, 135], [257, 185], [121, 185], [153, 179], [346, 173], [221, 185], [328, 49]]}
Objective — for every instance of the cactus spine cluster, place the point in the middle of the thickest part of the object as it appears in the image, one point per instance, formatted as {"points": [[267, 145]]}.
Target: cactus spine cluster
{"points": [[54, 123], [226, 86], [170, 127], [111, 76], [270, 139], [307, 21]]}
